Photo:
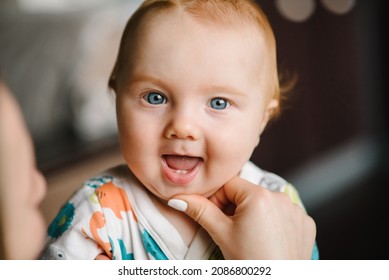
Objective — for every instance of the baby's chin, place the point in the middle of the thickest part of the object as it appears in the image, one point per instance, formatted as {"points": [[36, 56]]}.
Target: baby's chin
{"points": [[172, 193]]}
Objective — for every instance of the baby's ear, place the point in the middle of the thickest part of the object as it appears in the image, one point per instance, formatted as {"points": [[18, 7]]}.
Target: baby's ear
{"points": [[269, 112]]}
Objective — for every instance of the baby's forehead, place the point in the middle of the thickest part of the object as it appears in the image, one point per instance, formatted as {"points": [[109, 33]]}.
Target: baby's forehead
{"points": [[208, 18], [152, 27]]}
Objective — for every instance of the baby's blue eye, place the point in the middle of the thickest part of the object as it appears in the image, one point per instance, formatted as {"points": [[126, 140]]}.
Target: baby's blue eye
{"points": [[219, 103], [155, 98]]}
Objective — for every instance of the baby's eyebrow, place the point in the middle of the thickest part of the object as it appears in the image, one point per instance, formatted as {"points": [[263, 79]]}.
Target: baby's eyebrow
{"points": [[141, 77], [225, 89]]}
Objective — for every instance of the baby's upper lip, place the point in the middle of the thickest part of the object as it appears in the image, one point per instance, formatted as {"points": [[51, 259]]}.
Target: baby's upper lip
{"points": [[181, 151], [181, 155]]}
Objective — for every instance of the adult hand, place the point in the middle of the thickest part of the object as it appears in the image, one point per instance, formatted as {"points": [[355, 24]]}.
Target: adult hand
{"points": [[260, 224]]}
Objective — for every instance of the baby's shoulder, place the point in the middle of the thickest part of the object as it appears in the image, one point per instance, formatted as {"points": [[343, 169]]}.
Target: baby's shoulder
{"points": [[270, 181], [118, 176], [266, 179], [115, 173]]}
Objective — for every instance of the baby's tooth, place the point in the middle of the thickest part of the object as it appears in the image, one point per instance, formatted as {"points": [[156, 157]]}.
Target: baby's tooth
{"points": [[181, 171]]}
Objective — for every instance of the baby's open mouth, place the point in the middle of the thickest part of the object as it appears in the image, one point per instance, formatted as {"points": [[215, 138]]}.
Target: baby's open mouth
{"points": [[182, 164]]}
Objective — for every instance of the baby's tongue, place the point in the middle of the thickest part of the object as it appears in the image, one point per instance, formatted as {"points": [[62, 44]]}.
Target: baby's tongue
{"points": [[181, 162]]}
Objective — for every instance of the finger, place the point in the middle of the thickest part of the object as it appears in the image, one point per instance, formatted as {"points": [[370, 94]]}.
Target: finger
{"points": [[237, 190], [220, 200], [102, 257], [203, 211]]}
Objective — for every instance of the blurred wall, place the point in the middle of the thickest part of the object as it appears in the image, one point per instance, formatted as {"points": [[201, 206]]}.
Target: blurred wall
{"points": [[331, 140], [57, 59]]}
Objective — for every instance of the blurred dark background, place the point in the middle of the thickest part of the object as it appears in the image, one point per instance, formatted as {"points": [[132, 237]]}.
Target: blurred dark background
{"points": [[330, 141]]}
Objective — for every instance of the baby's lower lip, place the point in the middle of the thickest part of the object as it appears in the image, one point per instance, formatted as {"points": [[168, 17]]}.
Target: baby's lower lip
{"points": [[180, 170]]}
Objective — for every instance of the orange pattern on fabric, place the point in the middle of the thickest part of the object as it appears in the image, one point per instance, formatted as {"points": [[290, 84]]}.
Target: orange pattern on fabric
{"points": [[97, 222], [115, 198], [112, 197]]}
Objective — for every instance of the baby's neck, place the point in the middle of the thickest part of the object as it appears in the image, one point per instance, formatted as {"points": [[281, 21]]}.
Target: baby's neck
{"points": [[185, 226]]}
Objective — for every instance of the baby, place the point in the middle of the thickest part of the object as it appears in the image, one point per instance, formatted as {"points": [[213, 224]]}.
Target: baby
{"points": [[196, 83]]}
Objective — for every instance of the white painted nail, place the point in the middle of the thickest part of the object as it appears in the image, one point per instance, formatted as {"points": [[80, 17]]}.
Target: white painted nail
{"points": [[178, 204]]}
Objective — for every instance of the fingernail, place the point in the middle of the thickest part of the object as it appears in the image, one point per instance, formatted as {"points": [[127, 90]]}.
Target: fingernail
{"points": [[178, 204]]}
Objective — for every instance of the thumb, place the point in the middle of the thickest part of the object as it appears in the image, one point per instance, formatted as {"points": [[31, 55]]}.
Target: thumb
{"points": [[204, 212]]}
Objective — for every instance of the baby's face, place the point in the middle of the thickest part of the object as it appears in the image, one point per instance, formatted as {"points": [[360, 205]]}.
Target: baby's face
{"points": [[194, 105], [23, 187]]}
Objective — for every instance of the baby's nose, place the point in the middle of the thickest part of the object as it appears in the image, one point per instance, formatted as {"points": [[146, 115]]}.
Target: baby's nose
{"points": [[183, 127]]}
